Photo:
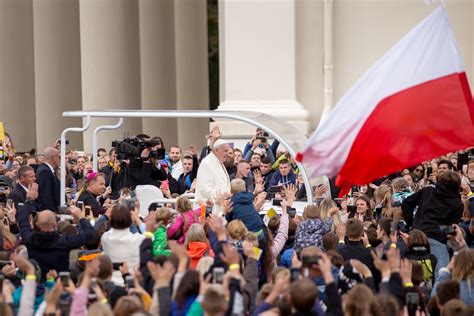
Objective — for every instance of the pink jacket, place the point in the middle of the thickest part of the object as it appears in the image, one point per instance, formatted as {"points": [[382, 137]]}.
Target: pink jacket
{"points": [[191, 218]]}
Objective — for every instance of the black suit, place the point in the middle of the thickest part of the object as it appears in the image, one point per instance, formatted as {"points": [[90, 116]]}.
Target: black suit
{"points": [[49, 189], [18, 195]]}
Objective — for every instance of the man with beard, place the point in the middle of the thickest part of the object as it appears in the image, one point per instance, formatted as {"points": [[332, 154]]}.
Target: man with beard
{"points": [[229, 163], [176, 163]]}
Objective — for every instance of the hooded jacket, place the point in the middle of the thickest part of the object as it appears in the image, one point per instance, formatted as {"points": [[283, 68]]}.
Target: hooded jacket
{"points": [[198, 249], [437, 205], [50, 249], [278, 179], [244, 210]]}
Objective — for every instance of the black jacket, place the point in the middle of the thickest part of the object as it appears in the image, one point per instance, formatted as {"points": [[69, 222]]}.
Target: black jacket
{"points": [[189, 177], [113, 179], [50, 249], [356, 250], [49, 188], [90, 199], [142, 173], [18, 195], [437, 205]]}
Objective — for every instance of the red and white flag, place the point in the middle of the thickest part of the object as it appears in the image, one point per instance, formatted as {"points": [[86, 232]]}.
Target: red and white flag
{"points": [[412, 105]]}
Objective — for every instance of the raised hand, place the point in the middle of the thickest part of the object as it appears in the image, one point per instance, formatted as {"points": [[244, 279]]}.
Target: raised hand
{"points": [[229, 255], [192, 150], [162, 275], [32, 193], [320, 190], [361, 268], [290, 193]]}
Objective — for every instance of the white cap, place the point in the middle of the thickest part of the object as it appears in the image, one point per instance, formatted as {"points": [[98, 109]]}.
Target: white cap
{"points": [[218, 143]]}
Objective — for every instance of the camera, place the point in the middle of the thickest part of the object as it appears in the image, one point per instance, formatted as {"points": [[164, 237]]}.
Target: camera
{"points": [[132, 147]]}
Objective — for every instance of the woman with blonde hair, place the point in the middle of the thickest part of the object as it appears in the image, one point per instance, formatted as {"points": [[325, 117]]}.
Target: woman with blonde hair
{"points": [[187, 217], [197, 245], [324, 208], [383, 199]]}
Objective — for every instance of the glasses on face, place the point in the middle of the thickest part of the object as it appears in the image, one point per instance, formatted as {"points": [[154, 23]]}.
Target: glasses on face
{"points": [[419, 170]]}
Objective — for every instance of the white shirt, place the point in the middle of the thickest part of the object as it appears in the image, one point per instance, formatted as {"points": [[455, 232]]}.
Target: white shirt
{"points": [[50, 167], [212, 178], [177, 170], [25, 188], [122, 245]]}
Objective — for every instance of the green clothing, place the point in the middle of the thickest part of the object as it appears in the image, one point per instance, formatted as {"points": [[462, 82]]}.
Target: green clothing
{"points": [[195, 309], [160, 243]]}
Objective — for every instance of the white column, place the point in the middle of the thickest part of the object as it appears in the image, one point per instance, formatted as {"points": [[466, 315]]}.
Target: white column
{"points": [[57, 69], [17, 86], [191, 68], [110, 58], [257, 61], [158, 66]]}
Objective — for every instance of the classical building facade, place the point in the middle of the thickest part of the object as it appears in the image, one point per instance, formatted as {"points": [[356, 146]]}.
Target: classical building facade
{"points": [[291, 58]]}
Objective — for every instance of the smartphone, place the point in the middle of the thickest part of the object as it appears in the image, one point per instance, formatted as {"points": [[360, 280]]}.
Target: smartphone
{"points": [[448, 230], [130, 282], [355, 189], [64, 277], [429, 171], [131, 205], [88, 211], [93, 283], [412, 301], [80, 204], [9, 203], [310, 260], [117, 265], [351, 208], [291, 212], [275, 189], [276, 202], [218, 275], [165, 184], [208, 211]]}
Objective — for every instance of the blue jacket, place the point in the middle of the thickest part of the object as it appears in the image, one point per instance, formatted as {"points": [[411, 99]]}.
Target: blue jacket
{"points": [[278, 179], [244, 210], [467, 286]]}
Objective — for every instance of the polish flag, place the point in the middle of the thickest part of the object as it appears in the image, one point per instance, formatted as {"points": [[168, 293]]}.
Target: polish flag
{"points": [[412, 105]]}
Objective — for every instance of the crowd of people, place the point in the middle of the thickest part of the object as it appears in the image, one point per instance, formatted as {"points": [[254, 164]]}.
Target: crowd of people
{"points": [[231, 242]]}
